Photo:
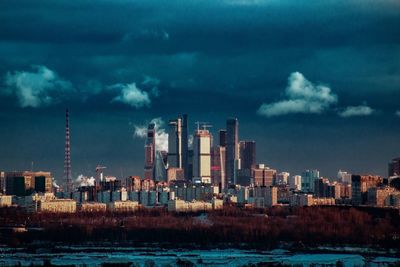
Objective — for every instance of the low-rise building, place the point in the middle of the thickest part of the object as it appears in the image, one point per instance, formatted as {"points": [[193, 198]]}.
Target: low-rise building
{"points": [[57, 206], [5, 200], [179, 205], [123, 206], [301, 200], [323, 201], [93, 207], [217, 204]]}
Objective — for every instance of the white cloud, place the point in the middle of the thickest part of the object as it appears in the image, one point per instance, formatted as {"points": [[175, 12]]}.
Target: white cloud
{"points": [[130, 94], [397, 113], [40, 87], [302, 96], [161, 134], [352, 111]]}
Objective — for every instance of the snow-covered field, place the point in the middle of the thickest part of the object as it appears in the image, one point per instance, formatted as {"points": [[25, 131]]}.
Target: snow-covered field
{"points": [[90, 256]]}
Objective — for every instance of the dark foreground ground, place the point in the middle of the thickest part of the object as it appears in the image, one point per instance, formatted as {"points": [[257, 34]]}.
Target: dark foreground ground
{"points": [[278, 227], [101, 256]]}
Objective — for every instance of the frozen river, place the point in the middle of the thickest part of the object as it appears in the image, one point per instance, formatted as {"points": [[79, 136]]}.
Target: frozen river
{"points": [[117, 256]]}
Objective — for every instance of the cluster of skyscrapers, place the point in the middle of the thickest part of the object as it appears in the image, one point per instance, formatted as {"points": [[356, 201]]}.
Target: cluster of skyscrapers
{"points": [[197, 172], [202, 161]]}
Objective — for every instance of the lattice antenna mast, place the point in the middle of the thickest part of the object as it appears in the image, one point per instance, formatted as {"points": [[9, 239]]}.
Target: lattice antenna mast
{"points": [[67, 160]]}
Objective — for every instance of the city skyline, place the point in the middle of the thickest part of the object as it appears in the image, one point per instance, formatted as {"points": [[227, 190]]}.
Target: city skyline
{"points": [[159, 130], [314, 87], [199, 133]]}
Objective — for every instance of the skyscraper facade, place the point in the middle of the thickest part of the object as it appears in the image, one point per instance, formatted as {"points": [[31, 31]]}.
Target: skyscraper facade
{"points": [[185, 146], [394, 167], [175, 143], [222, 137], [202, 156], [160, 167], [150, 152], [218, 166], [247, 154], [232, 150]]}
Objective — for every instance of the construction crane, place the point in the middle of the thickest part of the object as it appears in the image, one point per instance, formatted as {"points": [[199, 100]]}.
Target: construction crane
{"points": [[99, 172], [203, 124]]}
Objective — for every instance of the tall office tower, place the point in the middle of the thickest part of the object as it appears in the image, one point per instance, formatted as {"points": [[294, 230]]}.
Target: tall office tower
{"points": [[218, 166], [67, 154], [394, 167], [175, 143], [222, 137], [307, 180], [150, 153], [160, 167], [247, 154], [202, 156], [232, 150], [190, 164], [185, 146]]}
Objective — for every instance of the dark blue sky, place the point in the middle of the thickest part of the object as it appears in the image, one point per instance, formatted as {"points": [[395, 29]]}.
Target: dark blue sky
{"points": [[315, 83]]}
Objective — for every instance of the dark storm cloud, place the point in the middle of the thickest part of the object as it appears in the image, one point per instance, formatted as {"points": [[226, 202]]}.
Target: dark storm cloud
{"points": [[212, 59]]}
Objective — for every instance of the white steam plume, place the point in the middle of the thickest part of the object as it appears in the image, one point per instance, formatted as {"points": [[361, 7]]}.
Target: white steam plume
{"points": [[161, 134], [85, 181]]}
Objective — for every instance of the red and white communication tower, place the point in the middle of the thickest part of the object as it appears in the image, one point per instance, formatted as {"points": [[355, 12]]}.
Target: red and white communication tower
{"points": [[67, 160]]}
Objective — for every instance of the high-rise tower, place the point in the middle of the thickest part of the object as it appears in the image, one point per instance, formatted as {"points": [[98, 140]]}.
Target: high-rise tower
{"points": [[150, 152], [67, 159], [247, 154], [232, 150], [202, 156], [185, 145], [175, 143]]}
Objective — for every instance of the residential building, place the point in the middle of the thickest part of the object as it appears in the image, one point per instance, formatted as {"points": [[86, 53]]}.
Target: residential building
{"points": [[360, 185], [262, 175], [307, 180]]}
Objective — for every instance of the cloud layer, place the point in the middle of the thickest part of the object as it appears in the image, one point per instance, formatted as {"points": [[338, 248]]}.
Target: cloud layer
{"points": [[356, 111], [36, 88], [302, 96], [43, 87], [130, 94], [161, 134]]}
